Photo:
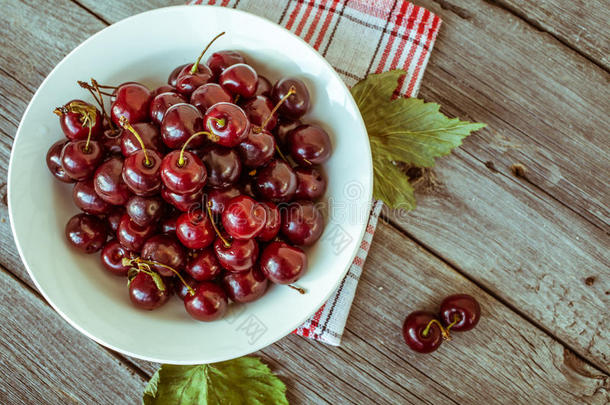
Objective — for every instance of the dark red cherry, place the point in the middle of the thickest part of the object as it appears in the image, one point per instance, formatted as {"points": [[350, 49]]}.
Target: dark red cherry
{"points": [[183, 172], [202, 265], [311, 184], [239, 256], [302, 223], [223, 166], [209, 302], [228, 123], [282, 263], [309, 144], [181, 290], [113, 218], [160, 104], [413, 332], [109, 184], [168, 223], [112, 258], [86, 232], [173, 76], [180, 122], [166, 88], [54, 162], [141, 174], [244, 218], [239, 79], [87, 200], [219, 198], [461, 311], [146, 294], [188, 81], [195, 230], [297, 104], [132, 101], [144, 211], [111, 142], [208, 95], [167, 250], [183, 202], [133, 236], [150, 136], [276, 181], [258, 110], [76, 116], [257, 149], [282, 129], [219, 61], [245, 184], [79, 161], [272, 224], [245, 286], [264, 87]]}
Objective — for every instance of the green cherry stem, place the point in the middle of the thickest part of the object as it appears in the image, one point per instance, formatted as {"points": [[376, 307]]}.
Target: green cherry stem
{"points": [[125, 124], [139, 261], [209, 207], [196, 64], [444, 331], [211, 137], [291, 91]]}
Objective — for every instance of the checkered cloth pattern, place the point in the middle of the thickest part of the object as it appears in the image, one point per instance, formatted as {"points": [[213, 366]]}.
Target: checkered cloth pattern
{"points": [[357, 37]]}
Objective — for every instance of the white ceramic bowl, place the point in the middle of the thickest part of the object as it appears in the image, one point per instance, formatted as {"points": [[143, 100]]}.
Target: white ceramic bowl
{"points": [[146, 48]]}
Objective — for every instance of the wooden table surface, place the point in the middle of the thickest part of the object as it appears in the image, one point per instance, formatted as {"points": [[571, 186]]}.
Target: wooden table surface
{"points": [[532, 247]]}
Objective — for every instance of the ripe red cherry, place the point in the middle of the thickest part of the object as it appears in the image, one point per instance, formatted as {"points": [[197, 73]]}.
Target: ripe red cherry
{"points": [[161, 103], [183, 202], [302, 223], [208, 95], [203, 265], [54, 162], [168, 222], [413, 332], [309, 144], [244, 218], [180, 122], [86, 199], [219, 61], [283, 263], [272, 224], [166, 88], [150, 136], [245, 286], [264, 87], [257, 149], [460, 308], [111, 142], [173, 76], [113, 218], [311, 184], [164, 249], [141, 172], [240, 255], [183, 172], [86, 232], [219, 198], [228, 123], [208, 303], [195, 230], [145, 294], [109, 184], [239, 79], [112, 258], [297, 104], [223, 166], [75, 118], [144, 211], [132, 101], [133, 236], [258, 110], [79, 161], [276, 182], [282, 130], [182, 290], [188, 81]]}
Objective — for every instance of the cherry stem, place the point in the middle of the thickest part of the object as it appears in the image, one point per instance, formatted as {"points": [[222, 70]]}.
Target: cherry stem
{"points": [[292, 91], [279, 152], [125, 124], [138, 261], [196, 64], [219, 121], [88, 139], [101, 102], [210, 136], [209, 207], [299, 289], [456, 319], [444, 332]]}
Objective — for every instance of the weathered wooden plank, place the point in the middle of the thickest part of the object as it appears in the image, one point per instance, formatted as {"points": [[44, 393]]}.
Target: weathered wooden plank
{"points": [[46, 361], [581, 24]]}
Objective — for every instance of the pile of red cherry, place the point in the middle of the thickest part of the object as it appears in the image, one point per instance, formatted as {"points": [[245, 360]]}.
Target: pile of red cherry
{"points": [[182, 187], [424, 332]]}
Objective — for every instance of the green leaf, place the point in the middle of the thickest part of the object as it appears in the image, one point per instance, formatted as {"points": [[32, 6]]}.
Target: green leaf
{"points": [[403, 130], [240, 381]]}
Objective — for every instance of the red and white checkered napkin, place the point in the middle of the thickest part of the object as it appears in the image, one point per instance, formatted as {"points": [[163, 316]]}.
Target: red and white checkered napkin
{"points": [[357, 37]]}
